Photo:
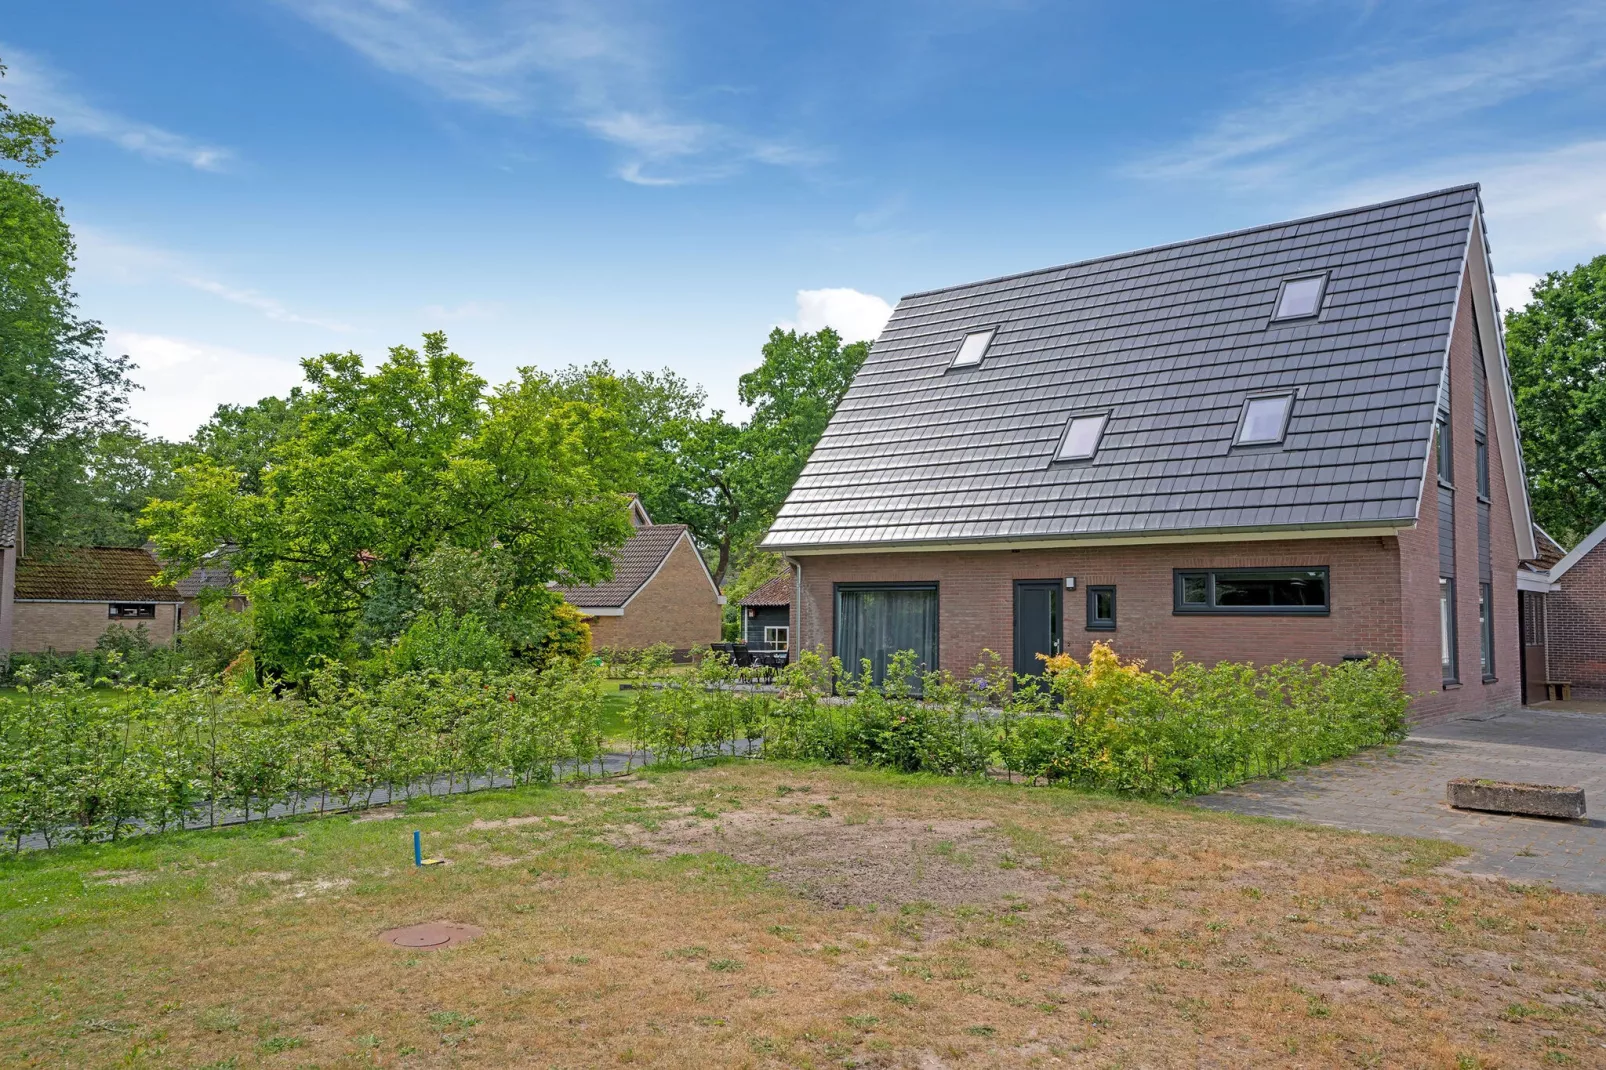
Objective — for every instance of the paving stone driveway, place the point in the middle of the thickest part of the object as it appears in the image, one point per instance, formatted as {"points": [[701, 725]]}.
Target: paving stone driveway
{"points": [[1400, 790]]}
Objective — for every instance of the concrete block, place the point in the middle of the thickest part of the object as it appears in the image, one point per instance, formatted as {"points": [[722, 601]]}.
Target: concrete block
{"points": [[1503, 797]]}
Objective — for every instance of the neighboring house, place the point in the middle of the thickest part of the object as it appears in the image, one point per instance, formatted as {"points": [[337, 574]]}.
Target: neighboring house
{"points": [[65, 602], [767, 614], [217, 574], [11, 548], [1292, 441], [661, 592], [1564, 620]]}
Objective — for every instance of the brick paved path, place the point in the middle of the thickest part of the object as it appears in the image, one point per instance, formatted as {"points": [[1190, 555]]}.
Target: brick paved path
{"points": [[1400, 790]]}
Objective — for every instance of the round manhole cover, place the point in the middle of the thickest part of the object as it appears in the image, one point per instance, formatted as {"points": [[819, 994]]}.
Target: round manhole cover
{"points": [[432, 935]]}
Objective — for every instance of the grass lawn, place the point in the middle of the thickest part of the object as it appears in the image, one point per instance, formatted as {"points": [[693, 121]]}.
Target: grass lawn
{"points": [[752, 914]]}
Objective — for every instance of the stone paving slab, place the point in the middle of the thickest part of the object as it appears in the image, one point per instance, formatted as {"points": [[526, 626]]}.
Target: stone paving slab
{"points": [[1400, 790]]}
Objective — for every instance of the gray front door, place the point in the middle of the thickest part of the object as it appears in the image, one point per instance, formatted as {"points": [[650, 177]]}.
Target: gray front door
{"points": [[1037, 624]]}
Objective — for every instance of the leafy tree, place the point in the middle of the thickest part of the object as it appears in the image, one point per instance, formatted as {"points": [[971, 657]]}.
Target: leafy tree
{"points": [[382, 470], [1557, 348], [58, 390], [243, 437]]}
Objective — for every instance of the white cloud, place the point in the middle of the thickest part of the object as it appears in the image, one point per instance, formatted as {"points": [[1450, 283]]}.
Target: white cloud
{"points": [[1514, 289], [31, 85], [268, 306], [590, 65], [185, 381], [856, 316]]}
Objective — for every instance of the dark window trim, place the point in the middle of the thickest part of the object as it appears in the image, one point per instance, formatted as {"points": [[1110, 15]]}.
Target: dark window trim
{"points": [[1321, 297], [1447, 583], [142, 611], [1210, 609], [879, 585], [1282, 432], [1444, 460], [1481, 447], [966, 333], [1486, 635], [1093, 624], [1059, 444]]}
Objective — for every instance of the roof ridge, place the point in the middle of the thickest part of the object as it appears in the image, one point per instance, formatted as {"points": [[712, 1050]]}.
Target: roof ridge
{"points": [[1196, 241]]}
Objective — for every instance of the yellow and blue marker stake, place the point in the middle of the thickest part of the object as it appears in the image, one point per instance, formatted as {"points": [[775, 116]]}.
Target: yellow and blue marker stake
{"points": [[418, 852]]}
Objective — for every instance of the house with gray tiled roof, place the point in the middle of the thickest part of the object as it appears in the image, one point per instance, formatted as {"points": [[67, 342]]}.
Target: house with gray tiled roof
{"points": [[1292, 441], [660, 592]]}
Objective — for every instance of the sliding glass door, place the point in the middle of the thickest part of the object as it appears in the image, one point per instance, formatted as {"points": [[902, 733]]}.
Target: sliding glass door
{"points": [[874, 621]]}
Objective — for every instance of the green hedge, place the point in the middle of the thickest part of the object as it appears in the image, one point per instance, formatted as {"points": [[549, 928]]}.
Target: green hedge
{"points": [[87, 764]]}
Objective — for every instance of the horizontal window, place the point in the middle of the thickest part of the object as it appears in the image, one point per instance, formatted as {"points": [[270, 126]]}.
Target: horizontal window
{"points": [[130, 611], [1270, 591]]}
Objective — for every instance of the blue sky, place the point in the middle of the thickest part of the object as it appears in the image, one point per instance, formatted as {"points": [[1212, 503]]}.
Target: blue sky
{"points": [[254, 181]]}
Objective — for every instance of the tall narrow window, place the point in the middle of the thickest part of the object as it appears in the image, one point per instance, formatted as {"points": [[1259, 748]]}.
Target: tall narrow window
{"points": [[1486, 629], [1442, 446], [1081, 439], [1447, 643], [1483, 467], [972, 349]]}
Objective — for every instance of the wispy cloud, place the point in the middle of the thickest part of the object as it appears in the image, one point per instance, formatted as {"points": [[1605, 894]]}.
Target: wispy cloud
{"points": [[589, 65], [104, 256], [1375, 103], [856, 316], [268, 306], [32, 85]]}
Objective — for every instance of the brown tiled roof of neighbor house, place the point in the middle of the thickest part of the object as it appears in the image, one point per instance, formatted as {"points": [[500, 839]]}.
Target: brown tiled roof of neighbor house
{"points": [[1550, 551], [777, 592], [10, 511], [92, 574], [633, 565]]}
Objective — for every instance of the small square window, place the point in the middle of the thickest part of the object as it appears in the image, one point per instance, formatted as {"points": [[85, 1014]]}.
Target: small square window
{"points": [[1101, 609], [1082, 436], [972, 349], [1264, 420], [1300, 298]]}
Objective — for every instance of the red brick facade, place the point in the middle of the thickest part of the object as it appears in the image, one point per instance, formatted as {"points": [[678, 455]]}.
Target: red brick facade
{"points": [[1384, 590], [1575, 626]]}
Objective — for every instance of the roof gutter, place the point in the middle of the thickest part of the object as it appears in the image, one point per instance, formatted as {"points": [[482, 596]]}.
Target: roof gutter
{"points": [[1069, 542]]}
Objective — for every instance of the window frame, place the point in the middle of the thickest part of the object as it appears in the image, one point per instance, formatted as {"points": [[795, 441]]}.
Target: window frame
{"points": [[1322, 278], [1211, 609], [784, 629], [1094, 624], [1289, 396], [142, 610], [1481, 445], [992, 336], [1486, 632], [1103, 416], [1444, 451], [933, 586], [1449, 633]]}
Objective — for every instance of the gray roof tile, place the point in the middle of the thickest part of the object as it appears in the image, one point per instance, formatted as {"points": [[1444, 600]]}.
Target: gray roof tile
{"points": [[10, 511], [1168, 341]]}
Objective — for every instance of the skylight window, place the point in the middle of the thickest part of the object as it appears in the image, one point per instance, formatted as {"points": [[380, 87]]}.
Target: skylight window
{"points": [[971, 349], [1264, 420], [1300, 298], [1082, 436]]}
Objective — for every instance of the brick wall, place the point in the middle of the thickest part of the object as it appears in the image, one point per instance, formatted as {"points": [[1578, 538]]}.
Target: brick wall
{"points": [[678, 606], [1576, 626], [976, 599], [68, 626], [1419, 559]]}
